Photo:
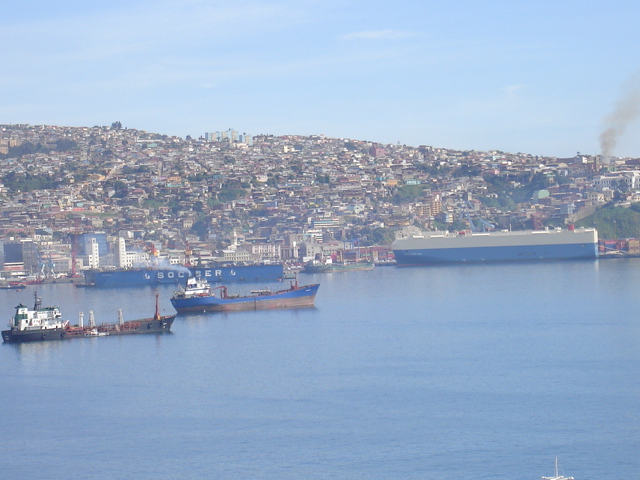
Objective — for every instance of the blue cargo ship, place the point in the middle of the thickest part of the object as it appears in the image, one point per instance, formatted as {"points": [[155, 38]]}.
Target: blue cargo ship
{"points": [[498, 246], [178, 275], [199, 297]]}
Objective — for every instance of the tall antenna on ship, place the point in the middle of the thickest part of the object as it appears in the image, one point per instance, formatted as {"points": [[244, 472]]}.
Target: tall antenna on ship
{"points": [[157, 315], [37, 301]]}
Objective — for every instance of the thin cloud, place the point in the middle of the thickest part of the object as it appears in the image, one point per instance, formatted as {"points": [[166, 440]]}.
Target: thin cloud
{"points": [[379, 35], [512, 91], [137, 30]]}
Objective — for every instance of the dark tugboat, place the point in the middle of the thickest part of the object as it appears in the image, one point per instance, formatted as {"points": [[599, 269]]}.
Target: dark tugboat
{"points": [[41, 323]]}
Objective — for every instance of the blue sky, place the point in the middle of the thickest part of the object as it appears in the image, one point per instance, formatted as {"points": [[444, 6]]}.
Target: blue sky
{"points": [[518, 76]]}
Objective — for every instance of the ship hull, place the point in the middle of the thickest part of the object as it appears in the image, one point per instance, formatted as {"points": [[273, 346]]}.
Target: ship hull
{"points": [[149, 325], [132, 327], [301, 297], [37, 335], [497, 247], [179, 275], [338, 267]]}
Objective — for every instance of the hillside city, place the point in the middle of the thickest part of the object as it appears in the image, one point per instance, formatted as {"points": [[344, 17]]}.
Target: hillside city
{"points": [[232, 197]]}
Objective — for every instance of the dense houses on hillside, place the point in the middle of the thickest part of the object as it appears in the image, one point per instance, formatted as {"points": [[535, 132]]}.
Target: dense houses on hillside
{"points": [[236, 197]]}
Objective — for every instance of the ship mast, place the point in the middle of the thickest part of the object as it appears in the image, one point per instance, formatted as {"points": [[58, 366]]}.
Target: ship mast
{"points": [[37, 301], [157, 315]]}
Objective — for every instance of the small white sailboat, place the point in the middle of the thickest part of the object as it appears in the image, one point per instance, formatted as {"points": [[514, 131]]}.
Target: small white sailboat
{"points": [[557, 476]]}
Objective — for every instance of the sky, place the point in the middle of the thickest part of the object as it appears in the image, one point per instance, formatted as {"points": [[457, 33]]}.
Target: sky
{"points": [[546, 78]]}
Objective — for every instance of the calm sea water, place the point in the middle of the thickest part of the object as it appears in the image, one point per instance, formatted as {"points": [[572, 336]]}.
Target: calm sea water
{"points": [[466, 372]]}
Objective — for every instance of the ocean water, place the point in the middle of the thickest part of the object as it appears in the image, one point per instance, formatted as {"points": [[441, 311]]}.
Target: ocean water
{"points": [[466, 372]]}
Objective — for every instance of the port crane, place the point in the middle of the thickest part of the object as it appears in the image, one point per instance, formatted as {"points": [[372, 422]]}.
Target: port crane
{"points": [[466, 208]]}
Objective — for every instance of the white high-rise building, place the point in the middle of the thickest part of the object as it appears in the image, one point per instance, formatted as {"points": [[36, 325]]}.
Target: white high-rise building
{"points": [[94, 256], [121, 253]]}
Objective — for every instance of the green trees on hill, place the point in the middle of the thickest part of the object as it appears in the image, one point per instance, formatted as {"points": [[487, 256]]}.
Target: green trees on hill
{"points": [[615, 222], [407, 194], [230, 194], [527, 183], [28, 148], [28, 182]]}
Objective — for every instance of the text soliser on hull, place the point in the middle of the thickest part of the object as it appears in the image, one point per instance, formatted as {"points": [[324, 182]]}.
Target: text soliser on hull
{"points": [[179, 275]]}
